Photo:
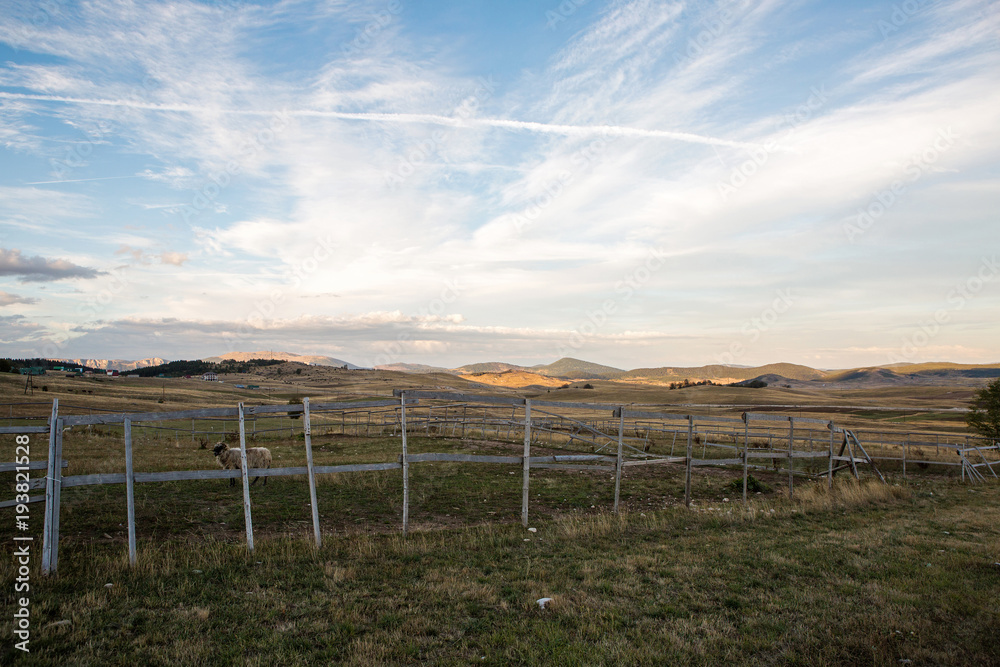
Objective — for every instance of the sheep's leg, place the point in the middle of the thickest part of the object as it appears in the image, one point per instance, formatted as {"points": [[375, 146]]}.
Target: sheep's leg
{"points": [[255, 481]]}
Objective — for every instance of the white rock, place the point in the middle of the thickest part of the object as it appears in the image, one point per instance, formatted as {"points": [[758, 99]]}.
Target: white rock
{"points": [[532, 530], [543, 601]]}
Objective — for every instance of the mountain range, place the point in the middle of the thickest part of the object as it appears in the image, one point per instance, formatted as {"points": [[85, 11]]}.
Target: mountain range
{"points": [[567, 368]]}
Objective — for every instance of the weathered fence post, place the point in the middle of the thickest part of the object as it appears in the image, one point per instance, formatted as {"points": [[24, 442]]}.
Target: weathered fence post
{"points": [[406, 465], [618, 461], [791, 468], [50, 531], [307, 425], [687, 467], [905, 447], [829, 470], [246, 480], [746, 451], [526, 462], [130, 490]]}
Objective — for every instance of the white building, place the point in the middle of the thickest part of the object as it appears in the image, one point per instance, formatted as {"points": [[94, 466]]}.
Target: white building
{"points": [[210, 377]]}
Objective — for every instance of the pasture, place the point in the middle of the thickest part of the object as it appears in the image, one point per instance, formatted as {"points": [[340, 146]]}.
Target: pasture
{"points": [[865, 572]]}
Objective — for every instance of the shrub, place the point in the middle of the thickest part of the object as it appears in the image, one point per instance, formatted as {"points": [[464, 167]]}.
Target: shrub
{"points": [[984, 418], [754, 485]]}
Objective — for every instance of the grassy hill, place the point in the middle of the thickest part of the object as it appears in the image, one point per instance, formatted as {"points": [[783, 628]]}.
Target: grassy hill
{"points": [[489, 367], [567, 367], [720, 372]]}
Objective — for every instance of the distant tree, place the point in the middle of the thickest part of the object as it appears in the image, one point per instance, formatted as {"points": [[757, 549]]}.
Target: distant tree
{"points": [[985, 415]]}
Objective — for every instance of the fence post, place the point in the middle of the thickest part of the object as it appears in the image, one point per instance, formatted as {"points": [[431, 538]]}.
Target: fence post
{"points": [[130, 490], [905, 447], [58, 495], [829, 470], [406, 465], [791, 439], [618, 461], [687, 467], [312, 472], [50, 493], [746, 457], [526, 462], [246, 480]]}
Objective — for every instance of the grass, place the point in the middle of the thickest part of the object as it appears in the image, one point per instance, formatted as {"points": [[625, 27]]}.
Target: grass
{"points": [[866, 573], [862, 573]]}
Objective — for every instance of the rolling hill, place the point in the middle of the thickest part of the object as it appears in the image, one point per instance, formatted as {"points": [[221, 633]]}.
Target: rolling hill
{"points": [[312, 359], [719, 373], [570, 368]]}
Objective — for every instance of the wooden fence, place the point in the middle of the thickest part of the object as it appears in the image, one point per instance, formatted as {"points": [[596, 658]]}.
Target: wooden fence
{"points": [[803, 446]]}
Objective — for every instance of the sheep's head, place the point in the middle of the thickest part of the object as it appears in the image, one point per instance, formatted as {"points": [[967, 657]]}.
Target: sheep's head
{"points": [[219, 448]]}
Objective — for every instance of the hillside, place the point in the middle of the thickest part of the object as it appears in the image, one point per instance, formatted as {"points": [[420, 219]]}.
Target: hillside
{"points": [[412, 368], [311, 359], [720, 373], [567, 367], [488, 367], [514, 379]]}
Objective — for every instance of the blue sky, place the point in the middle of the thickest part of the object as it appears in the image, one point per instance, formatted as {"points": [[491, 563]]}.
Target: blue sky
{"points": [[633, 183]]}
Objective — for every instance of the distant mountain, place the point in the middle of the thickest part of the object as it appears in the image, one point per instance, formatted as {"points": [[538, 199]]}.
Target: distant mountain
{"points": [[489, 367], [412, 368], [117, 364], [567, 367], [720, 372], [315, 360]]}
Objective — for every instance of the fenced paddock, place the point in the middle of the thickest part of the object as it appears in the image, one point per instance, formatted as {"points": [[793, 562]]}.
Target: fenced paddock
{"points": [[577, 437]]}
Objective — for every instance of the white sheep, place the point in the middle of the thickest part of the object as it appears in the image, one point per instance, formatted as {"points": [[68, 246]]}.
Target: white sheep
{"points": [[229, 459]]}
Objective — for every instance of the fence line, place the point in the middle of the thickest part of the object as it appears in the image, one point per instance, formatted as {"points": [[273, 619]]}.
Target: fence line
{"points": [[806, 441]]}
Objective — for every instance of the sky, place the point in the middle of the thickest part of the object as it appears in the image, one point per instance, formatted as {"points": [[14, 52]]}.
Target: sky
{"points": [[634, 183]]}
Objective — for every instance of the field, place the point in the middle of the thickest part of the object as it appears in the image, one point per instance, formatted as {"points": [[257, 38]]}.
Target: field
{"points": [[869, 573]]}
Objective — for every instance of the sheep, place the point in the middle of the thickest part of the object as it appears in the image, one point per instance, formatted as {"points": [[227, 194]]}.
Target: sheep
{"points": [[229, 459]]}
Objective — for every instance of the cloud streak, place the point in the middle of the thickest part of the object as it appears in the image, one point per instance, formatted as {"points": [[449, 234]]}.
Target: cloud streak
{"points": [[577, 131]]}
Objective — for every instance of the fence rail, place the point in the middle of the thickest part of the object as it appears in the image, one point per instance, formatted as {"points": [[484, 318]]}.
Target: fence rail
{"points": [[801, 446]]}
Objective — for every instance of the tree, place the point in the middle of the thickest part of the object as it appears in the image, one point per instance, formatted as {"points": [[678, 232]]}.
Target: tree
{"points": [[985, 415]]}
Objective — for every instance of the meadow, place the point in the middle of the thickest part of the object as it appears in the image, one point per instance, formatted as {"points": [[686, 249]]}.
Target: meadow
{"points": [[864, 573]]}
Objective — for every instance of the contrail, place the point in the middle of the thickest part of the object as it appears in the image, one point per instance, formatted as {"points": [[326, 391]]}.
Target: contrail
{"points": [[412, 118]]}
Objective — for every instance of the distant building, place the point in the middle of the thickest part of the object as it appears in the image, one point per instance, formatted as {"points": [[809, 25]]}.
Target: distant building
{"points": [[33, 370], [210, 377]]}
